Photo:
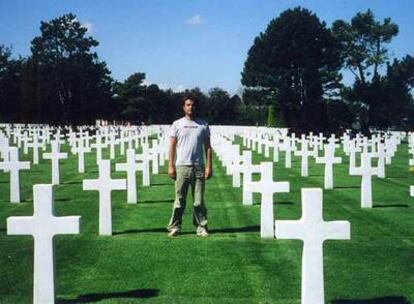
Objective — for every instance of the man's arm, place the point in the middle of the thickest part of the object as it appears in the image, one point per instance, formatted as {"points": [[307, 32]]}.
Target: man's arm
{"points": [[209, 164], [171, 157]]}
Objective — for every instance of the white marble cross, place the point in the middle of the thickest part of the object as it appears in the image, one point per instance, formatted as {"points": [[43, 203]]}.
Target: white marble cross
{"points": [[104, 184], [352, 149], [145, 158], [287, 147], [381, 160], [305, 153], [4, 165], [276, 146], [131, 167], [313, 231], [14, 166], [35, 145], [329, 160], [235, 164], [112, 141], [43, 226], [366, 171], [81, 149], [412, 191], [55, 155], [98, 145], [154, 156], [267, 187], [247, 169]]}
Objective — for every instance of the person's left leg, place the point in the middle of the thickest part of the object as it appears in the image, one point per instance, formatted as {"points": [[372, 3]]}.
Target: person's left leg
{"points": [[199, 209]]}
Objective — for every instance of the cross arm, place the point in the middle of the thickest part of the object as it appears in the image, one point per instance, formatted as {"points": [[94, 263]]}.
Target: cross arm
{"points": [[338, 230], [289, 230], [19, 225], [67, 224]]}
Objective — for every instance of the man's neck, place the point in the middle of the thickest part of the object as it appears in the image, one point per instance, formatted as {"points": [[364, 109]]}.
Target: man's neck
{"points": [[189, 117]]}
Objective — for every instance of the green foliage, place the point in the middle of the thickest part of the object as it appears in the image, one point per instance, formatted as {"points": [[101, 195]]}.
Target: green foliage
{"points": [[271, 116], [297, 61], [71, 84], [10, 72], [363, 43]]}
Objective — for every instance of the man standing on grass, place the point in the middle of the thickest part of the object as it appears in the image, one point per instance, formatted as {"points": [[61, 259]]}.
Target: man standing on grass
{"points": [[188, 136]]}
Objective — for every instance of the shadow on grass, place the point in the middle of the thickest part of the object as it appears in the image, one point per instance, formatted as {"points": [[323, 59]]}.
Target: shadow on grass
{"points": [[97, 297], [386, 300], [347, 187], [63, 199], [392, 206], [72, 182], [26, 200], [161, 184], [156, 201], [283, 203], [236, 230], [132, 231]]}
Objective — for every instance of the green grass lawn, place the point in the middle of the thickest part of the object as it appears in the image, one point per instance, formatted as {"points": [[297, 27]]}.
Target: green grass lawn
{"points": [[140, 263]]}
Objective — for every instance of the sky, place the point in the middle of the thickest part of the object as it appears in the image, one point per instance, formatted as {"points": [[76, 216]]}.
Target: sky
{"points": [[181, 44]]}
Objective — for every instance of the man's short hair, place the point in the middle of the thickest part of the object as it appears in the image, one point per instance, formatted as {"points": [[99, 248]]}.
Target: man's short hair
{"points": [[191, 97]]}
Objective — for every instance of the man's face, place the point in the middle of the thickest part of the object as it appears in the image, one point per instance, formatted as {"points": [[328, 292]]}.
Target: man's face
{"points": [[189, 107]]}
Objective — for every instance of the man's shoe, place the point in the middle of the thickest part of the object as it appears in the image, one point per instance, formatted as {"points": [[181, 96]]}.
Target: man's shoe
{"points": [[203, 233], [174, 232]]}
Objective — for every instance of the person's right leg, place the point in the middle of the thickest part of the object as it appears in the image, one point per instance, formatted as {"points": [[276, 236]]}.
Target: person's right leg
{"points": [[200, 210], [182, 183]]}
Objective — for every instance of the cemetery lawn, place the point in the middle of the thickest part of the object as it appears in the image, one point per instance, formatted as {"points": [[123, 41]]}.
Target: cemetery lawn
{"points": [[140, 263]]}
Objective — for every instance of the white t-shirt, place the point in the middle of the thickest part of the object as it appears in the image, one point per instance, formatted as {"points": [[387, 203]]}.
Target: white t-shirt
{"points": [[190, 135]]}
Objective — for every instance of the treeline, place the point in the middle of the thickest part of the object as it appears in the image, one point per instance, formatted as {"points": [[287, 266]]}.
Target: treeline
{"points": [[64, 82], [296, 65], [292, 77]]}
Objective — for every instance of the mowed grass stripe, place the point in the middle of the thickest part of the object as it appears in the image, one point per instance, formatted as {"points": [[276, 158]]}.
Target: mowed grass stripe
{"points": [[234, 264]]}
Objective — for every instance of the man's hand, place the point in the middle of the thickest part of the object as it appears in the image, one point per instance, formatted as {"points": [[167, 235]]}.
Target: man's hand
{"points": [[171, 172], [208, 173]]}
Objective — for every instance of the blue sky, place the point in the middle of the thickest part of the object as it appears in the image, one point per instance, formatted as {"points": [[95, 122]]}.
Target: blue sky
{"points": [[185, 43]]}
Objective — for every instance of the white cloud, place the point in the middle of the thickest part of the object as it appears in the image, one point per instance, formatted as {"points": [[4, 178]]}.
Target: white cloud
{"points": [[195, 20], [89, 26]]}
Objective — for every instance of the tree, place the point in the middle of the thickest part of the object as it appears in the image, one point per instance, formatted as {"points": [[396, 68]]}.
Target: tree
{"points": [[296, 61], [222, 107], [10, 73], [131, 97], [363, 44], [73, 85]]}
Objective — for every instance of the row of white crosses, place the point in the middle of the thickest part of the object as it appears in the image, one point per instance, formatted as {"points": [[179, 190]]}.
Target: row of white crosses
{"points": [[311, 228], [14, 166]]}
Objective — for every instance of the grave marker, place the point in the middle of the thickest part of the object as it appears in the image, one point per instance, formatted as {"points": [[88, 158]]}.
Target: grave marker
{"points": [[267, 187], [55, 155], [366, 171], [131, 167], [105, 185], [14, 167], [43, 226], [313, 231], [329, 160]]}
